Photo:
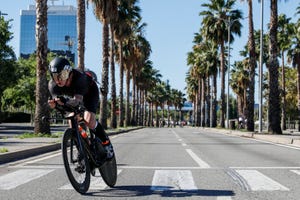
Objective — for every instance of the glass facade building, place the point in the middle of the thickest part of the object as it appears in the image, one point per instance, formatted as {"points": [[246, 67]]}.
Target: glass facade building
{"points": [[62, 31]]}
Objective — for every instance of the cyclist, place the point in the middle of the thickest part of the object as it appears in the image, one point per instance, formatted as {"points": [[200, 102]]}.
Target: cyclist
{"points": [[81, 89]]}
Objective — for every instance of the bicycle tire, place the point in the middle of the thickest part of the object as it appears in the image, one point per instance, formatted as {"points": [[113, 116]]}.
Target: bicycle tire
{"points": [[76, 163], [108, 172]]}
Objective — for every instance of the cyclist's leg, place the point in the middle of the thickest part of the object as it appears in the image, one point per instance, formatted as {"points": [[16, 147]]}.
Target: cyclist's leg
{"points": [[99, 131]]}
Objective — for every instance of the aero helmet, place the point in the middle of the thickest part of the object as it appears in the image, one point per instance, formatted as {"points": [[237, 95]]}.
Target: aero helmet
{"points": [[60, 68]]}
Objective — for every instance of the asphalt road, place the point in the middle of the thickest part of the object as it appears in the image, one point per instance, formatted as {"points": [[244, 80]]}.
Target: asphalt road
{"points": [[178, 163]]}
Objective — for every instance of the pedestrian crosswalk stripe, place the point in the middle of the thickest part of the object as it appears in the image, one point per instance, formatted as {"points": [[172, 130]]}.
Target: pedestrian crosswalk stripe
{"points": [[224, 198], [173, 180], [259, 182], [97, 183], [19, 177], [296, 171]]}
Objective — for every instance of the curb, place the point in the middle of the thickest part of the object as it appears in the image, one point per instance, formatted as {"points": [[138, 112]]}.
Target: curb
{"points": [[22, 154], [26, 153]]}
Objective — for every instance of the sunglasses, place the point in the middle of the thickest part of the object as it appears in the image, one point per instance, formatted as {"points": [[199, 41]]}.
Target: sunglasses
{"points": [[62, 76]]}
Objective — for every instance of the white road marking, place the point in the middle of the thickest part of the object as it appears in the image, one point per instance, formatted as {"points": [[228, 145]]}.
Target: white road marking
{"points": [[296, 171], [224, 198], [156, 167], [173, 180], [97, 183], [259, 182], [19, 177], [43, 158], [287, 167], [198, 160]]}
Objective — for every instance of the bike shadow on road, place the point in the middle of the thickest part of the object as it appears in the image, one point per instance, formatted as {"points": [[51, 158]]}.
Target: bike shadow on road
{"points": [[144, 190]]}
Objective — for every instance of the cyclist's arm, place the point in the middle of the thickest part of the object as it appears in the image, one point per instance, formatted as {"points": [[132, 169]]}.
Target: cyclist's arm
{"points": [[75, 101]]}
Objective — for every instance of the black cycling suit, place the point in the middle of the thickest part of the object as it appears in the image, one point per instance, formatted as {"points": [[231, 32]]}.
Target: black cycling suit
{"points": [[81, 84]]}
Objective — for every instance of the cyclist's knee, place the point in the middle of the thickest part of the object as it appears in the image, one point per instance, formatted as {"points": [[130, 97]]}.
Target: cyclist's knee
{"points": [[90, 119]]}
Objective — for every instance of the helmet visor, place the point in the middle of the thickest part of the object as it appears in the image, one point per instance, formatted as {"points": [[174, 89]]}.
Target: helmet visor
{"points": [[62, 76]]}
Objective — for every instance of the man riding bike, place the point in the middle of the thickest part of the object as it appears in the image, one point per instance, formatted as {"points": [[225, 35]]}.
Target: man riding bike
{"points": [[81, 89]]}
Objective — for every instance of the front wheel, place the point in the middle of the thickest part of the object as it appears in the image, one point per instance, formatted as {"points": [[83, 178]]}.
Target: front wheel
{"points": [[76, 162]]}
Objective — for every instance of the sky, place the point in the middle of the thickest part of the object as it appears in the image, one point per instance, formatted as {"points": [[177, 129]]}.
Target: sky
{"points": [[171, 25]]}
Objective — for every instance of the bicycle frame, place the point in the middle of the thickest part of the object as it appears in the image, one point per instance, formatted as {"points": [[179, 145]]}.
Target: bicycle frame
{"points": [[81, 142]]}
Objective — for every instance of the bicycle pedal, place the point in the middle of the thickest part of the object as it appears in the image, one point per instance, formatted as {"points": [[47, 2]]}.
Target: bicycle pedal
{"points": [[80, 169]]}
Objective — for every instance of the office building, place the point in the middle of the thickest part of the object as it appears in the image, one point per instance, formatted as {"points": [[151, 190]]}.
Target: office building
{"points": [[62, 31]]}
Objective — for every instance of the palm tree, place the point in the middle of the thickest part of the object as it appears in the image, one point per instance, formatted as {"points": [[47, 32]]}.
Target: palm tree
{"points": [[104, 11], [240, 80], [152, 79], [252, 66], [179, 99], [216, 22], [274, 100], [284, 42], [113, 109], [194, 78], [192, 88], [294, 57], [147, 79], [128, 14], [81, 32], [41, 109]]}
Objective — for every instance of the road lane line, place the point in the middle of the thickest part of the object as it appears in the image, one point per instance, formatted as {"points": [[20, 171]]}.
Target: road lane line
{"points": [[173, 180], [259, 182], [19, 177], [198, 160]]}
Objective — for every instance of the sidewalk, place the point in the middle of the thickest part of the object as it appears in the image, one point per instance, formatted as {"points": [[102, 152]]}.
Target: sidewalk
{"points": [[287, 138], [18, 148]]}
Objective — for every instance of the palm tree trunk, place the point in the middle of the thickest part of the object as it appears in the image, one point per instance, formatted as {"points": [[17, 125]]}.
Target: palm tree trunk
{"points": [[214, 103], [251, 47], [127, 107], [145, 118], [105, 69], [42, 108], [283, 119], [133, 111], [113, 118], [198, 110], [156, 116], [223, 104], [274, 100], [81, 32], [203, 103], [298, 86], [207, 100], [121, 104]]}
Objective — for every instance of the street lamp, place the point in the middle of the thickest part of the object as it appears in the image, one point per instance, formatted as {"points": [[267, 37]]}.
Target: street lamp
{"points": [[261, 69], [229, 24]]}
